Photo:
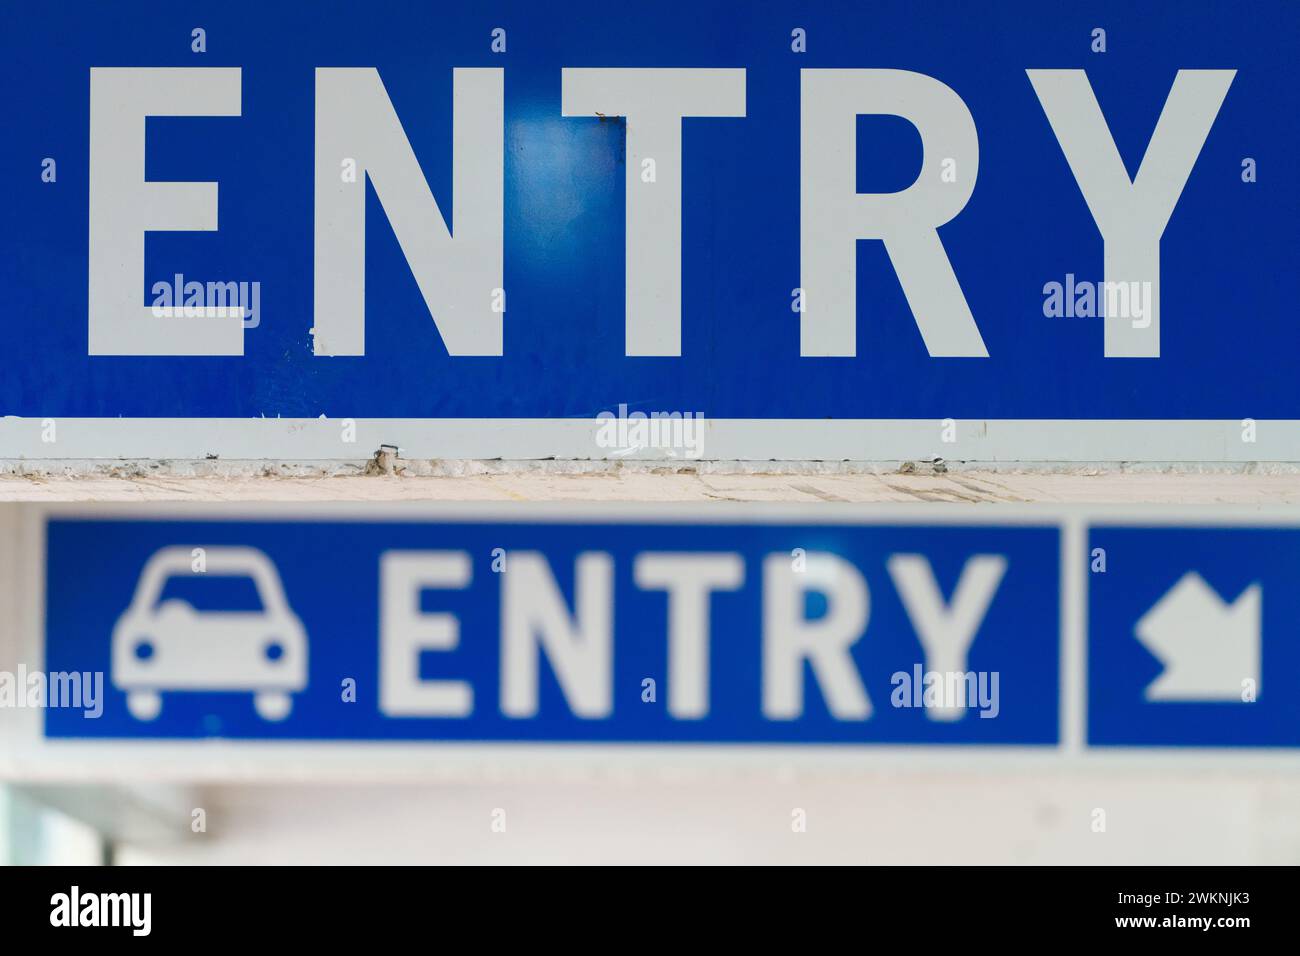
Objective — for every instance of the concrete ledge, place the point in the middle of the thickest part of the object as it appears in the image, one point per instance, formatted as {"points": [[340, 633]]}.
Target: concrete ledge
{"points": [[647, 484]]}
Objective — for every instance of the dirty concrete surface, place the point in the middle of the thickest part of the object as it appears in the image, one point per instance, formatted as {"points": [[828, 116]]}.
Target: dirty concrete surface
{"points": [[533, 481]]}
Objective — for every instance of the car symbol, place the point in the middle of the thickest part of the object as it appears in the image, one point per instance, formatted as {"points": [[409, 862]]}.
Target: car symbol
{"points": [[169, 645]]}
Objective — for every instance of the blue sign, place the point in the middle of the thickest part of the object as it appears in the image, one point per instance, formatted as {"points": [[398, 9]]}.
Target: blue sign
{"points": [[858, 212], [558, 631], [1192, 637]]}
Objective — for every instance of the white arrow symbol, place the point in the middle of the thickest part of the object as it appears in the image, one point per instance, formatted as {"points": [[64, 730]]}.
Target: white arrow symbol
{"points": [[1208, 646]]}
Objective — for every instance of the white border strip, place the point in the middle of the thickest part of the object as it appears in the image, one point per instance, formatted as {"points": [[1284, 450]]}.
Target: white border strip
{"points": [[1074, 635], [730, 439]]}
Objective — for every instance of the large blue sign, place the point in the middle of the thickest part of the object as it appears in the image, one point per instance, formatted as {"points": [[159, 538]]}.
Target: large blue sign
{"points": [[679, 632], [885, 212]]}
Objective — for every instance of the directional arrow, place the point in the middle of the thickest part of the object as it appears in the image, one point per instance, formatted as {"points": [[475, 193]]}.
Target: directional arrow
{"points": [[1207, 645]]}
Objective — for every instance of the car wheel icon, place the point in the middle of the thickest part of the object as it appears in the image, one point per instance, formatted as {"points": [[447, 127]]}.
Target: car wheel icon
{"points": [[144, 704], [272, 705]]}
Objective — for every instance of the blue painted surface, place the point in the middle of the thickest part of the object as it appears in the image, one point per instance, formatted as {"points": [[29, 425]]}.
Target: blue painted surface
{"points": [[1228, 255]]}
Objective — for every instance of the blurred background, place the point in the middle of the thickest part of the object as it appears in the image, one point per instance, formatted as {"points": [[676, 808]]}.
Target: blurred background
{"points": [[643, 817]]}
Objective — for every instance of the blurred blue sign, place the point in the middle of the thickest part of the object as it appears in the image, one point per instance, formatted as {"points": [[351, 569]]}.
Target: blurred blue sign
{"points": [[641, 631]]}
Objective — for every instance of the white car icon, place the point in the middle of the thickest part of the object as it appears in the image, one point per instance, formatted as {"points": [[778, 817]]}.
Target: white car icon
{"points": [[172, 646]]}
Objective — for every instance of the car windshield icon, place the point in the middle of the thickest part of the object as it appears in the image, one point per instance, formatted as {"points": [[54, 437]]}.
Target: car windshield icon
{"points": [[179, 635]]}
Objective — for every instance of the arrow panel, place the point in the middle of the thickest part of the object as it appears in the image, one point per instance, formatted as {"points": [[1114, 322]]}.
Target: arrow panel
{"points": [[1192, 637]]}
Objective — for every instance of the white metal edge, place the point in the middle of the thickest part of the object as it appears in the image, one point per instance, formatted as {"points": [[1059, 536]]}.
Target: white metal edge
{"points": [[723, 439]]}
